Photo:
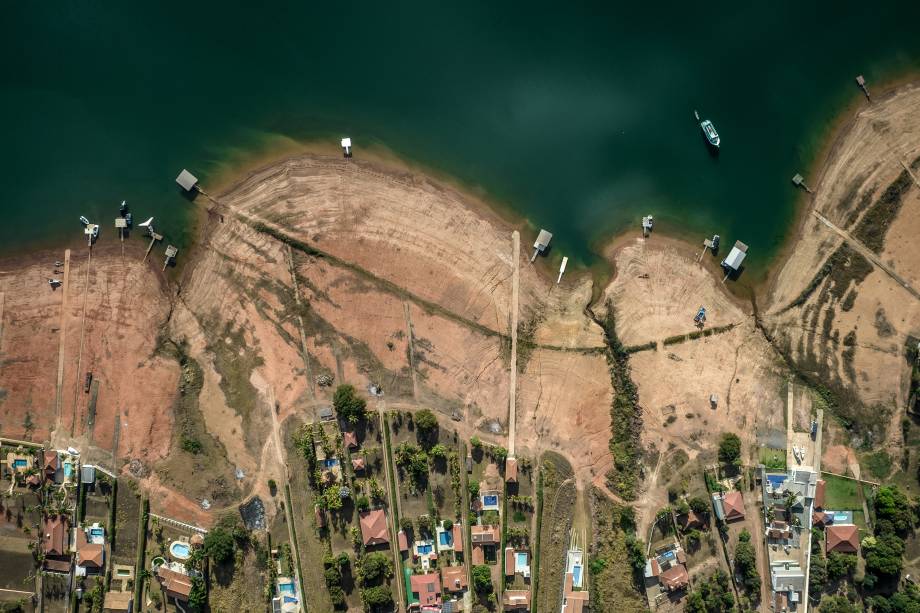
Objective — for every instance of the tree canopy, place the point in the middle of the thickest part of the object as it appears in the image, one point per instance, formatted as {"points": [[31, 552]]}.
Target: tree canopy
{"points": [[884, 558], [730, 449], [375, 567], [840, 564], [893, 506], [746, 563], [219, 544], [198, 597], [348, 404], [482, 579], [426, 421], [377, 597], [713, 595], [837, 604]]}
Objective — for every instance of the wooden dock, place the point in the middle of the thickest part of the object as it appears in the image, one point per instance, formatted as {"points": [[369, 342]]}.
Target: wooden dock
{"points": [[154, 237]]}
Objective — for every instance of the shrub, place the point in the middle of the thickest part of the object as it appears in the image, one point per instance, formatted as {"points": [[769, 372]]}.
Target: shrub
{"points": [[482, 579], [191, 445], [219, 544]]}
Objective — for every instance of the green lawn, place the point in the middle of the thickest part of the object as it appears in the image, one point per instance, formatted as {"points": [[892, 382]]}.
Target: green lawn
{"points": [[840, 494], [773, 459]]}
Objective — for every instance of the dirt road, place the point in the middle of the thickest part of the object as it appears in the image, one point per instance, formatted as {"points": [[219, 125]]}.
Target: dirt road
{"points": [[512, 389]]}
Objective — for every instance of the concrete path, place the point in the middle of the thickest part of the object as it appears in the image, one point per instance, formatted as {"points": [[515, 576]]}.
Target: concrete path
{"points": [[867, 253], [515, 283]]}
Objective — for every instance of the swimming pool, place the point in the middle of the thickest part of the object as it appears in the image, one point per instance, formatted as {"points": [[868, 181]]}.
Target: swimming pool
{"points": [[330, 462], [491, 500], [520, 560], [20, 463], [445, 538], [776, 480], [68, 469], [96, 532], [668, 555], [576, 575], [423, 549], [179, 550], [842, 517], [286, 588]]}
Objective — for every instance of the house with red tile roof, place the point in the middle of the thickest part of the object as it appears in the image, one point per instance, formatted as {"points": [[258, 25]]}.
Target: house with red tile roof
{"points": [[175, 583], [358, 464], [374, 527], [55, 537], [458, 538], [482, 537], [729, 505], [509, 561], [516, 600], [675, 578], [426, 589], [511, 470], [453, 578], [842, 539], [820, 488], [350, 440]]}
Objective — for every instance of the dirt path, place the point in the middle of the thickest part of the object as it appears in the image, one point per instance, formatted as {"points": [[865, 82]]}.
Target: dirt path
{"points": [[411, 350], [394, 504], [867, 253], [76, 386], [59, 398], [515, 285], [300, 328], [283, 472]]}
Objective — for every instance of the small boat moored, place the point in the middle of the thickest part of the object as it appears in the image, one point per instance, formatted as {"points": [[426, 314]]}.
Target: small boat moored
{"points": [[123, 208], [84, 220], [709, 131]]}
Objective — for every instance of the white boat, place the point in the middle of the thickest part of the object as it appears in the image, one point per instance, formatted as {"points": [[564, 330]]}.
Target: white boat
{"points": [[124, 207], [84, 220], [95, 231], [709, 131]]}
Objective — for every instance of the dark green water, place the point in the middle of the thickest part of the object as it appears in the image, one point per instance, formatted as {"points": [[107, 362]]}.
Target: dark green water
{"points": [[577, 115]]}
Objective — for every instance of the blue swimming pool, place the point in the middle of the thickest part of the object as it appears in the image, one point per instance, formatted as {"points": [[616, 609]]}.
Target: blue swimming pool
{"points": [[445, 538], [20, 463], [520, 559], [96, 532], [491, 500], [68, 469], [576, 575], [290, 599], [423, 549], [668, 555], [286, 588], [776, 480], [330, 462], [841, 516], [179, 550]]}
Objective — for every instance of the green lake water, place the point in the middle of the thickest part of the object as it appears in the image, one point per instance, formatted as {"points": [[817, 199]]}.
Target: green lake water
{"points": [[576, 115]]}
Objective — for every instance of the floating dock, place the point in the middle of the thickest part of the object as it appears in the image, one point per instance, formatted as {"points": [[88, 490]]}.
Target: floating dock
{"points": [[709, 243], [121, 224], [799, 181], [187, 180], [647, 222], [861, 82], [346, 147], [171, 252], [735, 257], [154, 237], [540, 245], [565, 260]]}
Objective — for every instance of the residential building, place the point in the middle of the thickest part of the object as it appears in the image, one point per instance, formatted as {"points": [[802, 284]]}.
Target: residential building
{"points": [[516, 600], [426, 589], [511, 470], [690, 521], [350, 440], [842, 538], [118, 602], [56, 544], [175, 579], [453, 578], [374, 527], [729, 506], [483, 537]]}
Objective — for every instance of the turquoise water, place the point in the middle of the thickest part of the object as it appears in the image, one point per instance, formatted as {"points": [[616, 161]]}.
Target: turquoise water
{"points": [[179, 550], [520, 559], [576, 115], [576, 576], [286, 588], [445, 538], [20, 463]]}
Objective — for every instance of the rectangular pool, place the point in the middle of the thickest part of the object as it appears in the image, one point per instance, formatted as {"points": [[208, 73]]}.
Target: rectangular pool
{"points": [[520, 560], [330, 462], [423, 549], [576, 575], [490, 501], [286, 588], [445, 539], [20, 463]]}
